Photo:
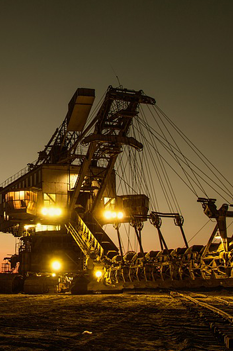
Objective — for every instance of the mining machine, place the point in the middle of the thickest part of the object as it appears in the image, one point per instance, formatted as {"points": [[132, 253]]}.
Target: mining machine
{"points": [[56, 205], [59, 206]]}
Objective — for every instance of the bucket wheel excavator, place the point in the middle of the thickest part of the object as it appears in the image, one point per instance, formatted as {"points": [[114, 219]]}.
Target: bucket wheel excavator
{"points": [[60, 204], [57, 205]]}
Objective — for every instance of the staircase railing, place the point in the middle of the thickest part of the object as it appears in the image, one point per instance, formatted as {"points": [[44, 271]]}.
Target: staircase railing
{"points": [[84, 237]]}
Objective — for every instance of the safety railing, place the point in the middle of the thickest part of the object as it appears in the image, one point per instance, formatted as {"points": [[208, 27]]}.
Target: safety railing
{"points": [[17, 175], [84, 238]]}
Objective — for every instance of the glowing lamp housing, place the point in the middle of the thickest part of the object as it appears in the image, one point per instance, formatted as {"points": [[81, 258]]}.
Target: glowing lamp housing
{"points": [[123, 208]]}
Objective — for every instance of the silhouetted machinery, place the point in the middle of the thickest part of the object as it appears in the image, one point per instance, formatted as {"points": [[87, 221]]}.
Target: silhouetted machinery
{"points": [[59, 205]]}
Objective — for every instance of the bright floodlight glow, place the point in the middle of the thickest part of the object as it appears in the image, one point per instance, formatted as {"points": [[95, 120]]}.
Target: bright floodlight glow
{"points": [[98, 274], [51, 211], [44, 211], [29, 226], [120, 215], [107, 214], [56, 265], [113, 215]]}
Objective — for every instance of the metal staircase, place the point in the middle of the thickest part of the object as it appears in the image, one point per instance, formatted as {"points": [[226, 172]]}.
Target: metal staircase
{"points": [[84, 237]]}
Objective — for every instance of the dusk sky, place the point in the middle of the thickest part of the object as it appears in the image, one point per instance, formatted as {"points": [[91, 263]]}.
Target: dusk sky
{"points": [[178, 51]]}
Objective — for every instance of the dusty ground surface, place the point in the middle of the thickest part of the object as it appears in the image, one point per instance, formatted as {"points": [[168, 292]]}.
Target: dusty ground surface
{"points": [[129, 321]]}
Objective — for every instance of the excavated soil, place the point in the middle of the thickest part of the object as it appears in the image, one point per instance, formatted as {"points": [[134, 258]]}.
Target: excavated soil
{"points": [[128, 321]]}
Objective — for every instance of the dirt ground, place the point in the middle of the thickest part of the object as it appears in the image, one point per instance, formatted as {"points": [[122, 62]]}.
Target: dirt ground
{"points": [[129, 321]]}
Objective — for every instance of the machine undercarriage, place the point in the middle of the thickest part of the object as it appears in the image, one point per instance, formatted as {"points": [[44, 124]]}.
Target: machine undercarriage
{"points": [[60, 205]]}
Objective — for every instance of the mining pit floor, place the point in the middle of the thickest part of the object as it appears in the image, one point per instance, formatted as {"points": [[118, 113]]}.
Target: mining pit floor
{"points": [[129, 321]]}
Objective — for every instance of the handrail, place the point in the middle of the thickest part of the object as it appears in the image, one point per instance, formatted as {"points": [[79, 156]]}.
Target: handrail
{"points": [[17, 175], [84, 238]]}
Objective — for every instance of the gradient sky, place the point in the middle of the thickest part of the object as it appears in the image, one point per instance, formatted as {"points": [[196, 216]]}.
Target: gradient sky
{"points": [[178, 51]]}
